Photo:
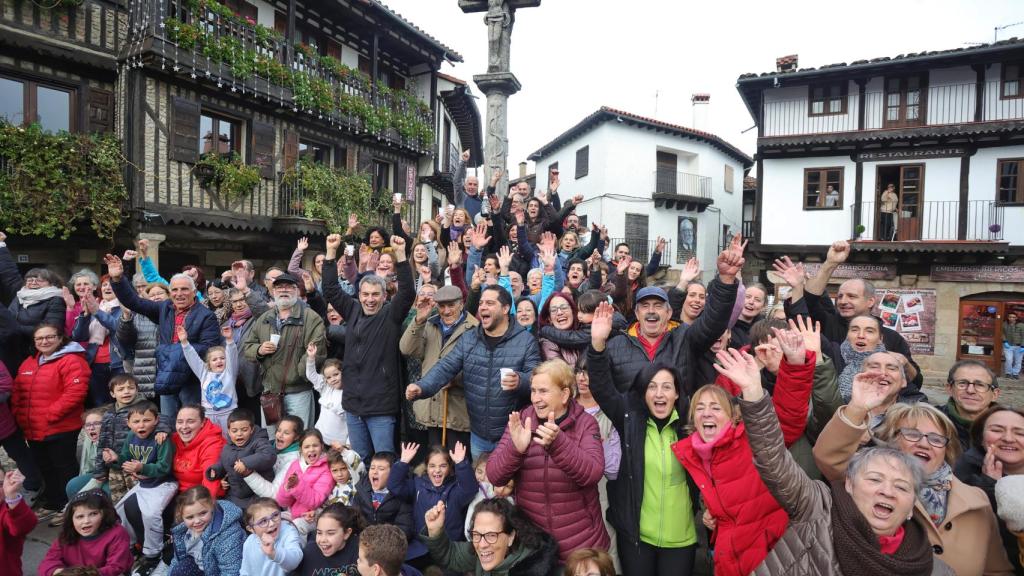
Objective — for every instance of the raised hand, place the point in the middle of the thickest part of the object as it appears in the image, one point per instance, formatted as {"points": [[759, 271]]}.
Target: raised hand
{"points": [[737, 245], [477, 279], [459, 453], [424, 304], [182, 335], [519, 432], [353, 220], [991, 466], [547, 240], [659, 246], [302, 244], [69, 298], [691, 270], [811, 332], [454, 255], [520, 218], [495, 176], [143, 247], [495, 202], [867, 392], [114, 267], [464, 156], [601, 326], [838, 252], [409, 450], [623, 264], [547, 432], [89, 303], [425, 274], [434, 520], [792, 344], [307, 282], [577, 199], [548, 258], [311, 350], [730, 263], [793, 274], [480, 237], [13, 480], [333, 243], [742, 369], [129, 255], [398, 245], [504, 259]]}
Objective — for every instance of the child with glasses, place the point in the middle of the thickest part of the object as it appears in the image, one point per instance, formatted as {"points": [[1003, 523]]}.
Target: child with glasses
{"points": [[273, 547]]}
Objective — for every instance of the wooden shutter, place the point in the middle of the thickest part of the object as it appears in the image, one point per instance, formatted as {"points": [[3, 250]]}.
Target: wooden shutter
{"points": [[340, 158], [184, 130], [333, 48], [365, 66], [280, 22], [396, 81], [99, 110], [364, 165], [263, 140], [582, 162], [291, 149], [398, 180]]}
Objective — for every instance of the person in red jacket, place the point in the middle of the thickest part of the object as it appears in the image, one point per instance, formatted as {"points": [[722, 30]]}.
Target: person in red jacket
{"points": [[197, 445], [553, 452], [47, 401], [16, 521], [743, 516]]}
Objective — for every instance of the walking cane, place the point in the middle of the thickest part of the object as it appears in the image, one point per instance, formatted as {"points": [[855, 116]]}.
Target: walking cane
{"points": [[444, 420]]}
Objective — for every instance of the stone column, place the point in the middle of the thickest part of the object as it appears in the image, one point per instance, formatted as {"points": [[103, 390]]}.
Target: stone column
{"points": [[154, 246], [498, 87]]}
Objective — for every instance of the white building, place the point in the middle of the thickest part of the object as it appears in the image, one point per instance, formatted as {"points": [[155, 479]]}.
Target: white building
{"points": [[946, 130], [644, 178]]}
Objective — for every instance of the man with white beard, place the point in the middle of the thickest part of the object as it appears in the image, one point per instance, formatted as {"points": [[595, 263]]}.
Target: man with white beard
{"points": [[278, 341]]}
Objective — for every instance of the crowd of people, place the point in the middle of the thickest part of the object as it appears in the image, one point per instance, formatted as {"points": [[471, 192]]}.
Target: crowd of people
{"points": [[497, 392]]}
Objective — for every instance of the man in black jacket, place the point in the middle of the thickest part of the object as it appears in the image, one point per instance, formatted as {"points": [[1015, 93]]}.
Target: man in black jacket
{"points": [[372, 364]]}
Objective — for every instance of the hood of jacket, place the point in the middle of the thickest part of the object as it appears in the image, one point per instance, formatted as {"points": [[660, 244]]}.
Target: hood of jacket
{"points": [[208, 434], [70, 348]]}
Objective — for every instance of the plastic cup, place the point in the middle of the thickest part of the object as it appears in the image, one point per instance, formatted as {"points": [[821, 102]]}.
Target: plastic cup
{"points": [[506, 372], [275, 338]]}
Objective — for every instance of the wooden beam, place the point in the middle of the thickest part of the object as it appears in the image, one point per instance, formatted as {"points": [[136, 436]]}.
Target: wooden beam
{"points": [[979, 92], [961, 220], [858, 195]]}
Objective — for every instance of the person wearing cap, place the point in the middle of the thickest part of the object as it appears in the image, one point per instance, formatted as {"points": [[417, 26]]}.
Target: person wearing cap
{"points": [[277, 342], [428, 338], [653, 338]]}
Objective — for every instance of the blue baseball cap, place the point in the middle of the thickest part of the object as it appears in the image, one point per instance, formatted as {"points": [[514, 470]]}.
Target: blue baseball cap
{"points": [[651, 292]]}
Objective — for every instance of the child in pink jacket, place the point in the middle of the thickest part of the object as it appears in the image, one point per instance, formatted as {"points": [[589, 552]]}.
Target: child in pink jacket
{"points": [[308, 482], [16, 521]]}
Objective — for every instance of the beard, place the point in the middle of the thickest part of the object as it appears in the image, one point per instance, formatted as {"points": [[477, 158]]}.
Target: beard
{"points": [[285, 301]]}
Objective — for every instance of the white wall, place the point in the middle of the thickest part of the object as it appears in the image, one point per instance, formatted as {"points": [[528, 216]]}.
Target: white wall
{"points": [[783, 218], [264, 13], [622, 165], [982, 187], [996, 108], [787, 112]]}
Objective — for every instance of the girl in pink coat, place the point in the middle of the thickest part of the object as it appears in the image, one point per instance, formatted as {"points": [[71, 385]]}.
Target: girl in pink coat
{"points": [[308, 482]]}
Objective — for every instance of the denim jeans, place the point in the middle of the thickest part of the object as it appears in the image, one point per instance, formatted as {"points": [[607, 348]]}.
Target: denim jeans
{"points": [[370, 434], [1012, 356], [478, 445], [170, 403]]}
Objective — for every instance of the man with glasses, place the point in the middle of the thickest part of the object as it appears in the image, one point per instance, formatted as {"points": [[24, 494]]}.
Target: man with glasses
{"points": [[972, 389]]}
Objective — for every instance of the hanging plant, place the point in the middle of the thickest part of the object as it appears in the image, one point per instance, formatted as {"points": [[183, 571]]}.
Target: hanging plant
{"points": [[328, 194], [46, 177], [232, 178]]}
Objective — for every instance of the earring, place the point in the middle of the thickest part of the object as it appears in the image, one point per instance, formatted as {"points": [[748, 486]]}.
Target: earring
{"points": [[910, 516]]}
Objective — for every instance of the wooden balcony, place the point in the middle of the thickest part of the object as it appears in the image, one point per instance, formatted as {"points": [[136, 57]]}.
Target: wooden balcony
{"points": [[931, 223], [681, 191], [90, 32]]}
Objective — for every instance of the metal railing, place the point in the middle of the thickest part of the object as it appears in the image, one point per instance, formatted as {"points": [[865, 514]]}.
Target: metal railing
{"points": [[932, 221], [667, 182], [641, 249], [932, 106]]}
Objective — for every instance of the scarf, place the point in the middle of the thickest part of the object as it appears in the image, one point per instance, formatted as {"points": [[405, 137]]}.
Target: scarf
{"points": [[954, 415], [854, 360], [97, 333], [239, 318], [455, 232], [935, 493], [858, 550], [293, 447], [704, 450], [32, 296]]}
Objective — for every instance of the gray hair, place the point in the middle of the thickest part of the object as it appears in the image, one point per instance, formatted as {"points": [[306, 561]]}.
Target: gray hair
{"points": [[232, 292], [87, 274], [139, 280], [869, 288], [182, 275], [376, 281], [867, 455]]}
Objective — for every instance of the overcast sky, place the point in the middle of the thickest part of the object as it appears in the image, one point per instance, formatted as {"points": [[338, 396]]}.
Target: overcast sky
{"points": [[573, 56]]}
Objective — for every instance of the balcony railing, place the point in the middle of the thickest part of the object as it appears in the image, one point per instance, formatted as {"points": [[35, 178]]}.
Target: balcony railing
{"points": [[750, 229], [641, 250], [244, 57], [669, 183], [932, 221], [934, 106]]}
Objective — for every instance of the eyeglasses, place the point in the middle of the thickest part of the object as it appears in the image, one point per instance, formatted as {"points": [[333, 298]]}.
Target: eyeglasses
{"points": [[914, 435], [35, 280], [238, 301], [978, 385], [489, 537], [562, 308], [93, 424], [266, 521], [46, 338]]}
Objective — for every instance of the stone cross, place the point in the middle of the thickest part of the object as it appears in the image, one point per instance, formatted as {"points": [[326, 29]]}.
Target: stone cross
{"points": [[498, 83]]}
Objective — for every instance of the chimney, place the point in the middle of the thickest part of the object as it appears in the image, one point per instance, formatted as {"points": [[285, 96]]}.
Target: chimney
{"points": [[522, 169], [701, 104], [787, 63]]}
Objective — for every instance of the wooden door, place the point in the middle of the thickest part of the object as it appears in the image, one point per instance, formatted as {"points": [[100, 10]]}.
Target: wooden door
{"points": [[980, 332], [905, 101], [908, 225], [665, 180]]}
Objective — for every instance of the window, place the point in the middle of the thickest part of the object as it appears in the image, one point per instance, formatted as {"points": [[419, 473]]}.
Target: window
{"points": [[1011, 185], [381, 176], [23, 102], [730, 177], [242, 8], [1009, 85], [823, 189], [219, 135], [636, 236], [905, 101], [582, 162], [314, 152], [665, 174], [826, 99]]}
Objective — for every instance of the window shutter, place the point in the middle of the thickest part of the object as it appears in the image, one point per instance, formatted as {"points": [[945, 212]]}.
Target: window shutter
{"points": [[263, 139], [184, 130], [280, 23], [100, 110], [582, 162], [365, 66], [291, 149], [365, 163], [730, 175]]}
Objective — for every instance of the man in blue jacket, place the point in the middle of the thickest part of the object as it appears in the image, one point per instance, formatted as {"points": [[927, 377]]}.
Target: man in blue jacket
{"points": [[496, 359], [175, 382]]}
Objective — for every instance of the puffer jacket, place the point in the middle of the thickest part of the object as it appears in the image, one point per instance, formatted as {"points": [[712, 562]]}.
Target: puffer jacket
{"points": [[372, 363], [460, 557], [192, 460], [750, 521], [629, 415], [315, 483], [489, 405], [222, 541], [557, 486], [257, 454], [49, 393], [285, 370], [173, 372], [457, 491], [423, 342], [138, 337], [967, 537], [391, 510], [968, 470], [806, 548]]}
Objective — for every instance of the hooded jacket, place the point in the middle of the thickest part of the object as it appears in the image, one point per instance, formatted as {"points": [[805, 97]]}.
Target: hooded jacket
{"points": [[222, 541], [557, 486], [481, 364], [392, 510], [258, 455], [191, 461], [49, 393], [460, 557], [311, 491], [457, 491]]}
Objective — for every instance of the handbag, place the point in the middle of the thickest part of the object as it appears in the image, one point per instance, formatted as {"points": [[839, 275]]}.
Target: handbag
{"points": [[273, 407]]}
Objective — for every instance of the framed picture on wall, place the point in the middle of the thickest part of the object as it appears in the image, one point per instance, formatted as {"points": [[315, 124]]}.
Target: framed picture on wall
{"points": [[686, 239]]}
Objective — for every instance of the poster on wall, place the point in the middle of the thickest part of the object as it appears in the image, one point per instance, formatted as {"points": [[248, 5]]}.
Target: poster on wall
{"points": [[686, 239], [912, 314]]}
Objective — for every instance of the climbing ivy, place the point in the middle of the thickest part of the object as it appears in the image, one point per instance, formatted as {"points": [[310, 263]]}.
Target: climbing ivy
{"points": [[330, 195]]}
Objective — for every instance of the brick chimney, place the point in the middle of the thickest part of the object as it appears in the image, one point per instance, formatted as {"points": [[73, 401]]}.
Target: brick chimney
{"points": [[787, 63], [701, 104], [522, 169]]}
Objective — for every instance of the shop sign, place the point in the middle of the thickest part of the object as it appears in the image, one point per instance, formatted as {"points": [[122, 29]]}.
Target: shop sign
{"points": [[976, 273]]}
